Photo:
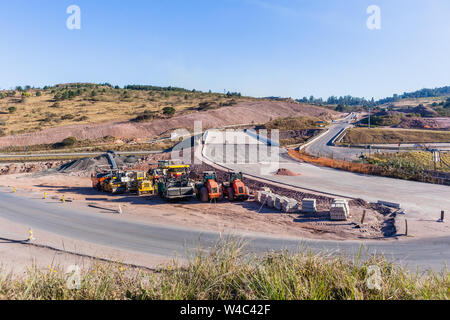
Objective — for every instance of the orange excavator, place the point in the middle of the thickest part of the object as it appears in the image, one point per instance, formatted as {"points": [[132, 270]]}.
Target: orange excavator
{"points": [[209, 189], [235, 189]]}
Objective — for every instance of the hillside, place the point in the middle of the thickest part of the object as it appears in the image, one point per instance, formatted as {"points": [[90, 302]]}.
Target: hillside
{"points": [[141, 115], [33, 110]]}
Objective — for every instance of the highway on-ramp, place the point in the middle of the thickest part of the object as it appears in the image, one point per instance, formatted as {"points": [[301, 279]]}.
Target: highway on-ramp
{"points": [[167, 241]]}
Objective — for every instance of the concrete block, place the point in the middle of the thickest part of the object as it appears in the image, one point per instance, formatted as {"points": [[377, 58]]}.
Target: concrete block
{"points": [[290, 205], [270, 200], [309, 206], [278, 204], [339, 211]]}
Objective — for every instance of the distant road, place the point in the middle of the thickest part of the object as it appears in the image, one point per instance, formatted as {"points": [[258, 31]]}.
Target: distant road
{"points": [[322, 146], [166, 241], [420, 200]]}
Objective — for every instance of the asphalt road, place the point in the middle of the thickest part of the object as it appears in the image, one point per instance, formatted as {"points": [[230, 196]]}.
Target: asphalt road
{"points": [[420, 200], [322, 145], [114, 232]]}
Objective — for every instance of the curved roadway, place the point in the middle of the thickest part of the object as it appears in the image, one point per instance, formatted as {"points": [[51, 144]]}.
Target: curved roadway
{"points": [[161, 240], [166, 241]]}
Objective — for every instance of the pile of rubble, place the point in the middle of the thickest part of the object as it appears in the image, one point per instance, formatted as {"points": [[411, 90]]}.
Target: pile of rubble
{"points": [[28, 167]]}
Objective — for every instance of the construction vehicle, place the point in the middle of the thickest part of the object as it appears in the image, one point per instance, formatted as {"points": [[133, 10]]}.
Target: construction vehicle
{"points": [[116, 182], [173, 180], [234, 188], [209, 189], [98, 179], [140, 182]]}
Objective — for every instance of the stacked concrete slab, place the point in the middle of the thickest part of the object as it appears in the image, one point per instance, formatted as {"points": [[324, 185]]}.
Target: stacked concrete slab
{"points": [[339, 210], [289, 205], [309, 206], [276, 201]]}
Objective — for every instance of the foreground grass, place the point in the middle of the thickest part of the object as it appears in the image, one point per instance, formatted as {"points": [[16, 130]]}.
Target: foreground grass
{"points": [[392, 136], [228, 273]]}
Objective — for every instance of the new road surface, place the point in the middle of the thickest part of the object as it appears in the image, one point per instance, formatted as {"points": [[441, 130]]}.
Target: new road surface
{"points": [[166, 241], [421, 201]]}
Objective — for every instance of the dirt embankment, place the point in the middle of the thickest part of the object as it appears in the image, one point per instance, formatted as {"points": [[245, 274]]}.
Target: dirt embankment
{"points": [[242, 113], [425, 123], [81, 167]]}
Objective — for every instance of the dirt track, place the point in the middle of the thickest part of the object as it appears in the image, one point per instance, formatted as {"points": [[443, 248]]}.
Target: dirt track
{"points": [[242, 113]]}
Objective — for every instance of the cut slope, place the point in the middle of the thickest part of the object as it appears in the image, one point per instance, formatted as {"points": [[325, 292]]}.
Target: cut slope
{"points": [[242, 113]]}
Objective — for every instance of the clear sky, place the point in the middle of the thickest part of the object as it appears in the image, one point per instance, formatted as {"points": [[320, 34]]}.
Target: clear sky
{"points": [[285, 48]]}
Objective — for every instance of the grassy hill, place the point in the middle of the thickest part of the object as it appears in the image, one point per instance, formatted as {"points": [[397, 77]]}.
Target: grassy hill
{"points": [[28, 110], [394, 136]]}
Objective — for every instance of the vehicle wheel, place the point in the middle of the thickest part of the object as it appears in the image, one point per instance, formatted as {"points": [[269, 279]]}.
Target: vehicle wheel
{"points": [[204, 197], [220, 198], [98, 187], [230, 193]]}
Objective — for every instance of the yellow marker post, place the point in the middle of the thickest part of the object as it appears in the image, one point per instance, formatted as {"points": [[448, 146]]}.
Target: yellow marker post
{"points": [[14, 189], [30, 235], [63, 198], [45, 195]]}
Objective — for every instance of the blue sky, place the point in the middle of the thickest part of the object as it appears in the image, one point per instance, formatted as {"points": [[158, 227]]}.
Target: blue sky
{"points": [[286, 48]]}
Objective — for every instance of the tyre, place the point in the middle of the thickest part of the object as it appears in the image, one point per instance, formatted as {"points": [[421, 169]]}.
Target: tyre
{"points": [[204, 197], [220, 198], [230, 193]]}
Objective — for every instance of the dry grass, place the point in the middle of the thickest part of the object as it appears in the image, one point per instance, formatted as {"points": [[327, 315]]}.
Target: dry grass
{"points": [[227, 272], [332, 163], [293, 123], [35, 113], [420, 158], [393, 136]]}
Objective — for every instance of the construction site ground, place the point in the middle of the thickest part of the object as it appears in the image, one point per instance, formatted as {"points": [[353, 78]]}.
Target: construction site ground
{"points": [[222, 216]]}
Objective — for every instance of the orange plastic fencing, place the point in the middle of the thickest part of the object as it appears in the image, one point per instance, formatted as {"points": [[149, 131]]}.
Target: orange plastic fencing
{"points": [[332, 163]]}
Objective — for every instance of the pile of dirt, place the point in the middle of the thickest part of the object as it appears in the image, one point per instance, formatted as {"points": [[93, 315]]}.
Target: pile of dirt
{"points": [[84, 166], [28, 167], [87, 165], [421, 123], [286, 172], [423, 111]]}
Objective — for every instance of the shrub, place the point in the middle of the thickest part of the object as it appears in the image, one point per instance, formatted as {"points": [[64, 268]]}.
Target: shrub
{"points": [[12, 109], [82, 118], [67, 117], [169, 111], [68, 142]]}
